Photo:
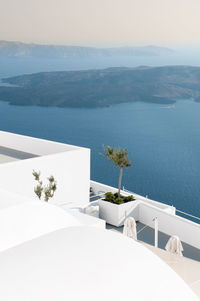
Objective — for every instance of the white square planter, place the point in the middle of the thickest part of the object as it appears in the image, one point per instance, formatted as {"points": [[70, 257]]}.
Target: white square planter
{"points": [[115, 214]]}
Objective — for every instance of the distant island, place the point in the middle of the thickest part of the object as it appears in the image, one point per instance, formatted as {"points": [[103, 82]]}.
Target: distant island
{"points": [[101, 88], [11, 49]]}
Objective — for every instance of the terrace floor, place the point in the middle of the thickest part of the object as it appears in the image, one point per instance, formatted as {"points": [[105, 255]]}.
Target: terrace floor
{"points": [[10, 155], [147, 236], [188, 269]]}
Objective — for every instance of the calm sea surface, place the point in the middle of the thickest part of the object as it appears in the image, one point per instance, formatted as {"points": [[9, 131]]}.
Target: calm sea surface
{"points": [[163, 143]]}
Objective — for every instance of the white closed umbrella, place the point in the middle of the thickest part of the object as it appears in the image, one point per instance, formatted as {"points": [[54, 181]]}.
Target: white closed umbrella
{"points": [[174, 245], [130, 228]]}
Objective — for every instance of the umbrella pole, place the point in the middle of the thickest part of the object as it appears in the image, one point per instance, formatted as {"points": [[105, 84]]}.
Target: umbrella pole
{"points": [[155, 232]]}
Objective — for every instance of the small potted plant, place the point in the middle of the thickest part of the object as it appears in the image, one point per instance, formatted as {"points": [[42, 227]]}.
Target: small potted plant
{"points": [[116, 199], [115, 208], [44, 191]]}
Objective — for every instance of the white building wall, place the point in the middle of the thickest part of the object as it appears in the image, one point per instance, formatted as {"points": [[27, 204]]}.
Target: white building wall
{"points": [[71, 170]]}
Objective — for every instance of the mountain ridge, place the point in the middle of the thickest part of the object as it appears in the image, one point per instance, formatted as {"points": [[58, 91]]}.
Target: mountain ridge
{"points": [[20, 49]]}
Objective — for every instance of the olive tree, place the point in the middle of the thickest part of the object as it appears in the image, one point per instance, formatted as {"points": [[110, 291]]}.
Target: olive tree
{"points": [[120, 158]]}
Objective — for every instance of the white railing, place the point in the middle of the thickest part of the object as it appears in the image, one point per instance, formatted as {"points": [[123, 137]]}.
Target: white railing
{"points": [[96, 196], [149, 201], [188, 215]]}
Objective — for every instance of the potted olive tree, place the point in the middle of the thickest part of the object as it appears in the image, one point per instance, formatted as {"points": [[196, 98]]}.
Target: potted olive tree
{"points": [[115, 207]]}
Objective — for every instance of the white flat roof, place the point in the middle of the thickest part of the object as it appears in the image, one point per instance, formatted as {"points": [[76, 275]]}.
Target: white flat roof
{"points": [[10, 155], [86, 263], [35, 146], [6, 159]]}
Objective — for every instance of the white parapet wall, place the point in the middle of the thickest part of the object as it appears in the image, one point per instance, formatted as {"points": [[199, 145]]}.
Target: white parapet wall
{"points": [[186, 230], [168, 222], [70, 165], [99, 188]]}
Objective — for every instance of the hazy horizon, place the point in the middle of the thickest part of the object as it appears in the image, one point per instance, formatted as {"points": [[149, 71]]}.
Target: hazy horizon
{"points": [[109, 23], [175, 47]]}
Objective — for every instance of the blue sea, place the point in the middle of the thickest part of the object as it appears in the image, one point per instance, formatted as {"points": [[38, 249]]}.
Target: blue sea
{"points": [[163, 141]]}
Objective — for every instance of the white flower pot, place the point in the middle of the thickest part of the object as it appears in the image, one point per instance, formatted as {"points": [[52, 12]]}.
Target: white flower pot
{"points": [[115, 214]]}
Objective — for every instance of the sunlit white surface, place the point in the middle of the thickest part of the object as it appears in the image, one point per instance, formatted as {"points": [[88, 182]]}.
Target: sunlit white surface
{"points": [[82, 263], [9, 199], [29, 220]]}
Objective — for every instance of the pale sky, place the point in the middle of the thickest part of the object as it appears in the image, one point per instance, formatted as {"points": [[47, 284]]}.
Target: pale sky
{"points": [[101, 22]]}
